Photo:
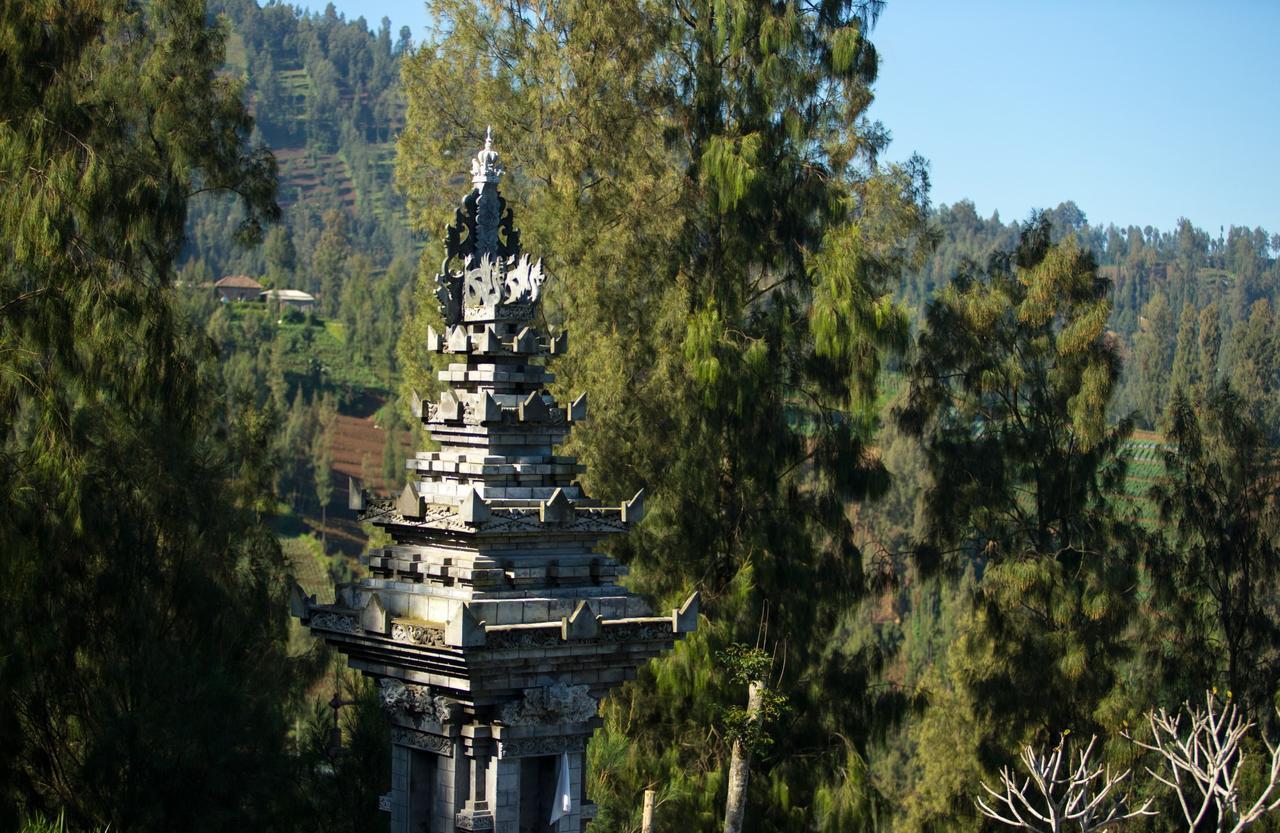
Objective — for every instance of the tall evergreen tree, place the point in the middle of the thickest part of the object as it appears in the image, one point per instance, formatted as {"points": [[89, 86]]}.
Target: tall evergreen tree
{"points": [[1153, 358], [1209, 338], [1255, 366], [698, 177], [1214, 582], [141, 612], [329, 261], [1185, 374], [1008, 392]]}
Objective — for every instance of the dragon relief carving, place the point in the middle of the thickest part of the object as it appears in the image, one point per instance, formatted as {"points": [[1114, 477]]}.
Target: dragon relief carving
{"points": [[524, 281], [549, 705], [482, 283]]}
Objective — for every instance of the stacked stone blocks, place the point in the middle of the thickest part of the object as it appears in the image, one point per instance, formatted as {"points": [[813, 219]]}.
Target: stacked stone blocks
{"points": [[492, 623]]}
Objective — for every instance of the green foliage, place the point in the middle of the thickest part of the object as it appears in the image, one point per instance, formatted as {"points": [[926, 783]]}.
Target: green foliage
{"points": [[1154, 352], [1008, 393], [343, 757], [745, 664], [142, 612], [722, 246], [1256, 368], [1185, 374], [751, 667], [1214, 577]]}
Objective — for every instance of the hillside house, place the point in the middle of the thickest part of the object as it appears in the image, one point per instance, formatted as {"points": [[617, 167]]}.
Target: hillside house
{"points": [[289, 299], [237, 288]]}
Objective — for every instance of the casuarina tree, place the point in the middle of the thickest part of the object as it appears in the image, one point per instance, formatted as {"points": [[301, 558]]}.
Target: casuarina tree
{"points": [[704, 183]]}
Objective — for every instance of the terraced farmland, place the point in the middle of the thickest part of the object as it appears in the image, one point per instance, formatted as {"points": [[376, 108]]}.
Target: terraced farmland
{"points": [[1143, 453], [318, 178]]}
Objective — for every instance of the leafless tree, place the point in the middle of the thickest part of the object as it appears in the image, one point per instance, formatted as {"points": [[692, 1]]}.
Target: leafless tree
{"points": [[1202, 763], [1049, 799]]}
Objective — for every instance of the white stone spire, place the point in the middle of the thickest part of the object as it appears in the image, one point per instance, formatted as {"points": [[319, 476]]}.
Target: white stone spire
{"points": [[485, 168]]}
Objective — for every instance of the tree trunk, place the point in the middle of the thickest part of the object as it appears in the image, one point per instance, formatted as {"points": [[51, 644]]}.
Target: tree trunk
{"points": [[740, 766]]}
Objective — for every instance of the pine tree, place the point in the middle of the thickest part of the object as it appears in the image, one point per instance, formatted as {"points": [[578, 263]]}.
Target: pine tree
{"points": [[1153, 357], [1008, 392], [1214, 580], [141, 613], [698, 182], [322, 473], [1209, 340], [1185, 375], [329, 261], [1255, 370]]}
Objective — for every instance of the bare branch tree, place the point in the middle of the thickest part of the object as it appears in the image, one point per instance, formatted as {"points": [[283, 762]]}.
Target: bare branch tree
{"points": [[1050, 800], [1203, 763]]}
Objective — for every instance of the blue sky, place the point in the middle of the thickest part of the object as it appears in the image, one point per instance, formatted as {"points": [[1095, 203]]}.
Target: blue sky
{"points": [[1141, 112]]}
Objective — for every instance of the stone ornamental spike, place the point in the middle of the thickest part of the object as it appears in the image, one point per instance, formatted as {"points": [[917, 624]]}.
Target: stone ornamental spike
{"points": [[492, 625]]}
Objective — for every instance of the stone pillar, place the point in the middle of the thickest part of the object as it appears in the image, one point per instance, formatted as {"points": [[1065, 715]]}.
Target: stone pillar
{"points": [[399, 788], [506, 796], [477, 812], [451, 789]]}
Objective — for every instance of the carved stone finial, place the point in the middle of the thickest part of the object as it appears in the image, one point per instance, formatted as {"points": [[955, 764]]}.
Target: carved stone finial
{"points": [[484, 267], [485, 168]]}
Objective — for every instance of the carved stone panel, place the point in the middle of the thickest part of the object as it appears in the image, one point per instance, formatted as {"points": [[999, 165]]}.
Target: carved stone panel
{"points": [[422, 740], [549, 705], [473, 820], [418, 635], [415, 701], [335, 622], [550, 745]]}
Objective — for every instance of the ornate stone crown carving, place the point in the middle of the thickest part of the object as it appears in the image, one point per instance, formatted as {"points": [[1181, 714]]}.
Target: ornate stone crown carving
{"points": [[483, 240]]}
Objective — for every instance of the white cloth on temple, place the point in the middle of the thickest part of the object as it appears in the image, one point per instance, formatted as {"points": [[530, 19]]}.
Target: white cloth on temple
{"points": [[563, 800]]}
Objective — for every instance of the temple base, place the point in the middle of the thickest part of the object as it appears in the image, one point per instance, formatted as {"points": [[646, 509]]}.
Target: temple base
{"points": [[445, 785]]}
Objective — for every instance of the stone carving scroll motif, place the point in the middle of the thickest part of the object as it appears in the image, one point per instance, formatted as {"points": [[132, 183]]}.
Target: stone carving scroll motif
{"points": [[550, 745], [422, 740], [552, 704], [418, 635]]}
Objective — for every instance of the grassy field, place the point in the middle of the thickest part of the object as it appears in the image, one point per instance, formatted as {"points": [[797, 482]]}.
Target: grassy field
{"points": [[315, 354]]}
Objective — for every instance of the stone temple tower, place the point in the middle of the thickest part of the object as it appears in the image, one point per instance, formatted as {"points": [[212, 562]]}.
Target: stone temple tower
{"points": [[491, 624]]}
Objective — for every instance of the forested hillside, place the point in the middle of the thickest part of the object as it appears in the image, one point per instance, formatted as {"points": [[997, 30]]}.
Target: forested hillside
{"points": [[325, 95], [1188, 304]]}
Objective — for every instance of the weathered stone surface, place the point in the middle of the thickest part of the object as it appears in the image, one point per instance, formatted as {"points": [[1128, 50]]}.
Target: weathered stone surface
{"points": [[551, 704]]}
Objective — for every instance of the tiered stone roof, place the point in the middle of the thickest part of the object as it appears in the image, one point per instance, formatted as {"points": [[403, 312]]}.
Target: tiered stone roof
{"points": [[492, 619]]}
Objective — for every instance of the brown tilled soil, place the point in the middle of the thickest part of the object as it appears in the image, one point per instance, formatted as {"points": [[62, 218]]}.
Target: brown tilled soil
{"points": [[357, 453]]}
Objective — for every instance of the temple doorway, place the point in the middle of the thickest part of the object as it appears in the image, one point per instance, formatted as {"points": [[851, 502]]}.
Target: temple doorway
{"points": [[537, 793]]}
